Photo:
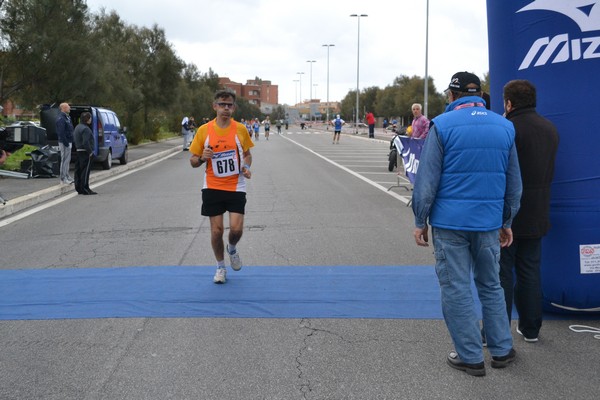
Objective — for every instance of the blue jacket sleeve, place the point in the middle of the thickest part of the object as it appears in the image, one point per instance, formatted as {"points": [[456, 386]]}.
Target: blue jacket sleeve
{"points": [[60, 129]]}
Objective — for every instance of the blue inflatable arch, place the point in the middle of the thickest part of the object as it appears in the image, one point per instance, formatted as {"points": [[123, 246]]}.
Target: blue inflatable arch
{"points": [[556, 45]]}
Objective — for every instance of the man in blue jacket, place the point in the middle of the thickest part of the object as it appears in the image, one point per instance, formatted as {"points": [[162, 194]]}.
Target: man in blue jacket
{"points": [[468, 186], [64, 133]]}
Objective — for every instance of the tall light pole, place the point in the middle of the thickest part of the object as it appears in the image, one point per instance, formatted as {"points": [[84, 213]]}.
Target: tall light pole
{"points": [[426, 94], [328, 46], [358, 16], [311, 63], [310, 88], [296, 98], [300, 75]]}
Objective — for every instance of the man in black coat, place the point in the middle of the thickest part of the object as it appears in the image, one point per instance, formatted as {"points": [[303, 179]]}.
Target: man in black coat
{"points": [[537, 142], [84, 142]]}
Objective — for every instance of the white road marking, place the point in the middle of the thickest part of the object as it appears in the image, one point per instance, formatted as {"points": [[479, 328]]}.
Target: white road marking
{"points": [[370, 182], [69, 196]]}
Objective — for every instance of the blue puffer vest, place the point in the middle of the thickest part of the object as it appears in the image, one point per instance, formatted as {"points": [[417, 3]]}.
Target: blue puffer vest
{"points": [[476, 144]]}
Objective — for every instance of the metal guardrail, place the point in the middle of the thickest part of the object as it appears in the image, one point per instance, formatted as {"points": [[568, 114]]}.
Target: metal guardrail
{"points": [[14, 174]]}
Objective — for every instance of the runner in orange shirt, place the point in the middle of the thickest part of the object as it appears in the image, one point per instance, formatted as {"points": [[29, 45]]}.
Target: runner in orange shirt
{"points": [[224, 145]]}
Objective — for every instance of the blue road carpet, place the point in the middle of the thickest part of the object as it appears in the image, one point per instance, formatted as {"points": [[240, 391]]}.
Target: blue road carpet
{"points": [[253, 292]]}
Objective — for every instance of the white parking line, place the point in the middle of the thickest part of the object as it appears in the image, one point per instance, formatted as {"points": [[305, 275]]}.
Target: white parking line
{"points": [[370, 182]]}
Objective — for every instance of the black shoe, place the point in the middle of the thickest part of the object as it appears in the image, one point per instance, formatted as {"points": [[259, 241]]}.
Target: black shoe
{"points": [[455, 362], [503, 361], [90, 192], [83, 193]]}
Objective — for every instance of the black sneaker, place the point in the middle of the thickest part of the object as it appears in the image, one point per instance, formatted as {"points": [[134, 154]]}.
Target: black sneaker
{"points": [[503, 361], [455, 362]]}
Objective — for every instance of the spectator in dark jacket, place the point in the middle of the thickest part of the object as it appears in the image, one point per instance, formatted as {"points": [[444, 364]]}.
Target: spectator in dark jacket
{"points": [[536, 139], [64, 133], [84, 142]]}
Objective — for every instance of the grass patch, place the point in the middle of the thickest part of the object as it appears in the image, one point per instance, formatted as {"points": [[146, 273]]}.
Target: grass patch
{"points": [[159, 137], [13, 162]]}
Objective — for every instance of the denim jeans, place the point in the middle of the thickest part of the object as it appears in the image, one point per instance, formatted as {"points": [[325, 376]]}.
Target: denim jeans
{"points": [[463, 256], [523, 257]]}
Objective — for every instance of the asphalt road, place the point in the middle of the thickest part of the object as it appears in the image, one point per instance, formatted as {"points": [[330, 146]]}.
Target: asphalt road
{"points": [[310, 203]]}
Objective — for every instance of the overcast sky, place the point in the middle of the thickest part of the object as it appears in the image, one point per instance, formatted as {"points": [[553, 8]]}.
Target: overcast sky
{"points": [[274, 39]]}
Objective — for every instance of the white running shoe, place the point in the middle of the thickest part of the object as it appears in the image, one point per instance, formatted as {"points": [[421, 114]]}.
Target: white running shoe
{"points": [[236, 263], [529, 340], [220, 276]]}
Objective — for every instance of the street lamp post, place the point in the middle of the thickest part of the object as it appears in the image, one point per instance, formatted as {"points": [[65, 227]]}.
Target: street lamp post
{"points": [[316, 98], [300, 78], [310, 88], [328, 46], [296, 84], [358, 16], [311, 63]]}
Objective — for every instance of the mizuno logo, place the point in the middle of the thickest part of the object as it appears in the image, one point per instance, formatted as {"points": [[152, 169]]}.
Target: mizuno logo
{"points": [[561, 48], [575, 49], [585, 13]]}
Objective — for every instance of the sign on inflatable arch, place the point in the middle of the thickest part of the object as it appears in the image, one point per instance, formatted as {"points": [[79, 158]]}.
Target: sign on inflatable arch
{"points": [[556, 45]]}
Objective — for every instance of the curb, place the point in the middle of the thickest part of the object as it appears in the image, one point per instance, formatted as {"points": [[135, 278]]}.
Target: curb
{"points": [[19, 204]]}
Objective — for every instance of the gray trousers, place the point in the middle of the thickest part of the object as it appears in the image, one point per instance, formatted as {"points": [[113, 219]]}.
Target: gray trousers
{"points": [[65, 161], [186, 137]]}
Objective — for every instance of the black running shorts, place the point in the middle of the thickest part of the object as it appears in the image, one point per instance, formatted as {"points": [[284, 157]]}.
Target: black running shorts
{"points": [[216, 202]]}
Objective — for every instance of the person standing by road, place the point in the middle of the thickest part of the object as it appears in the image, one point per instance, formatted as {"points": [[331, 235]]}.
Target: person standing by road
{"points": [[337, 128], [468, 187], [537, 143], [185, 132], [224, 145], [191, 128], [371, 122], [84, 143], [64, 133], [420, 124]]}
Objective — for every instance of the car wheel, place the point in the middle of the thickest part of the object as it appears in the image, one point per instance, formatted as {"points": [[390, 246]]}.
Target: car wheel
{"points": [[107, 163], [125, 157]]}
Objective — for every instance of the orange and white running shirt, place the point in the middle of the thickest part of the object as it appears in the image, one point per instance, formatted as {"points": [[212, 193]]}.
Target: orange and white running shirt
{"points": [[224, 170]]}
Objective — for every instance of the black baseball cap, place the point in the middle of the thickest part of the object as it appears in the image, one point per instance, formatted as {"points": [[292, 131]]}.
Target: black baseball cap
{"points": [[461, 80]]}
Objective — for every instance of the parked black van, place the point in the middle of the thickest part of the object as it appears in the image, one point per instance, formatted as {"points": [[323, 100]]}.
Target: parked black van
{"points": [[110, 141]]}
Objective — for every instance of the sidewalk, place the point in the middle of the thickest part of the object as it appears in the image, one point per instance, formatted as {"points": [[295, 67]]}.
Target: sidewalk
{"points": [[21, 194]]}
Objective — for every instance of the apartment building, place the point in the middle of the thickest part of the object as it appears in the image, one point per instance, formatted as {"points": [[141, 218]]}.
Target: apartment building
{"points": [[261, 93]]}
